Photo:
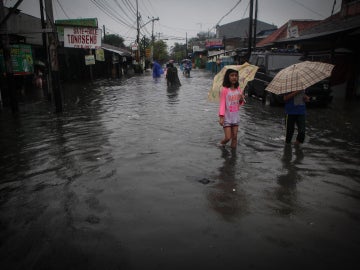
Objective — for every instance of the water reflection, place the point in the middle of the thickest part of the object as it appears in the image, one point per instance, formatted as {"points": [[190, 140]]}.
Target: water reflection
{"points": [[172, 94], [111, 174], [286, 192], [226, 197]]}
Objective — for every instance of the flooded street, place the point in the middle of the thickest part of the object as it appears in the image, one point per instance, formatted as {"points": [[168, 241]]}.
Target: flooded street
{"points": [[130, 177]]}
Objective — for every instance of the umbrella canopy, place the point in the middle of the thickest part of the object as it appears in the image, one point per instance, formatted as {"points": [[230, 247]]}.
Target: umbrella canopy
{"points": [[246, 74], [39, 63], [299, 77]]}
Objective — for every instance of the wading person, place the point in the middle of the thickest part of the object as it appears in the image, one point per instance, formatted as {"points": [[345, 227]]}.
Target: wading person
{"points": [[295, 110], [172, 77], [157, 70], [38, 79], [231, 98]]}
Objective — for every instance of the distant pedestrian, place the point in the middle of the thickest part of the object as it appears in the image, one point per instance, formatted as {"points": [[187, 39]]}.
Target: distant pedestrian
{"points": [[295, 109], [38, 79], [172, 77], [157, 70], [231, 98]]}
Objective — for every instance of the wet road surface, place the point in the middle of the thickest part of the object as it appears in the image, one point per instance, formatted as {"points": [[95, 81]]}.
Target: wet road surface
{"points": [[130, 177]]}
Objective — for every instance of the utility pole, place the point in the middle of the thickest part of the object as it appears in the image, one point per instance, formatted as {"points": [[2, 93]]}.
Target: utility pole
{"points": [[7, 58], [138, 30], [152, 37], [44, 40], [255, 24], [186, 48], [53, 56], [250, 27]]}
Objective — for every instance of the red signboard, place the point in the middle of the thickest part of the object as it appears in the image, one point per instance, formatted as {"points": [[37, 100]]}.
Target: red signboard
{"points": [[214, 43]]}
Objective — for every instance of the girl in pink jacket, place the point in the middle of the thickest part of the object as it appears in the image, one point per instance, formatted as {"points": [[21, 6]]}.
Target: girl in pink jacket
{"points": [[231, 98]]}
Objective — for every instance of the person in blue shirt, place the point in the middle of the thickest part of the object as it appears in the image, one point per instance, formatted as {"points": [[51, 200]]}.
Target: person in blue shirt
{"points": [[157, 70], [295, 109]]}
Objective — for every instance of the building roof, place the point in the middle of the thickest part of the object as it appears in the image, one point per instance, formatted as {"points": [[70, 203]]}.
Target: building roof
{"points": [[330, 26], [25, 25], [240, 29], [265, 33], [347, 20], [283, 31]]}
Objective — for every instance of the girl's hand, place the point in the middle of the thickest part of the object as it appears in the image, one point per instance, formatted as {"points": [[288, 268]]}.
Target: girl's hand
{"points": [[242, 99], [221, 120]]}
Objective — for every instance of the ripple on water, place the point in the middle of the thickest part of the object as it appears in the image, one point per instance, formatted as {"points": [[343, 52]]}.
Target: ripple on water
{"points": [[151, 151]]}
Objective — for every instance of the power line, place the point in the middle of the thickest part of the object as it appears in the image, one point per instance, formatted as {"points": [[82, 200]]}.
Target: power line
{"points": [[177, 29], [108, 11], [119, 6], [130, 6], [309, 9], [58, 2], [228, 12], [151, 7]]}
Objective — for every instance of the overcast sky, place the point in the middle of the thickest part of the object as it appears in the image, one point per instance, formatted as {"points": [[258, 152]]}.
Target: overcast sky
{"points": [[179, 18]]}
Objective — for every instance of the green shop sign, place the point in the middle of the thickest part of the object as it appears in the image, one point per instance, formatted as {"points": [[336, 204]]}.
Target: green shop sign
{"points": [[86, 22], [21, 59]]}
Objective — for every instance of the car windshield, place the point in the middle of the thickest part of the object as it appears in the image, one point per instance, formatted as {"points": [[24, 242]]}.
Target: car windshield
{"points": [[277, 62]]}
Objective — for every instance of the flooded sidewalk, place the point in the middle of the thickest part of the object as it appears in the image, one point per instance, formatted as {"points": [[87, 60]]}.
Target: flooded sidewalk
{"points": [[129, 176]]}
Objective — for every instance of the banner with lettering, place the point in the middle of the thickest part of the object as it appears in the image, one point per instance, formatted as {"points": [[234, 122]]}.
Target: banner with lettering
{"points": [[82, 37]]}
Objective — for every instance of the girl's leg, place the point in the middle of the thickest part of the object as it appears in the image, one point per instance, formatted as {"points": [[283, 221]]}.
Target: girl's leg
{"points": [[227, 135], [234, 134]]}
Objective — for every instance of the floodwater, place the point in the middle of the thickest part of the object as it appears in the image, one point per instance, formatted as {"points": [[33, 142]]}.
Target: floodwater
{"points": [[129, 177]]}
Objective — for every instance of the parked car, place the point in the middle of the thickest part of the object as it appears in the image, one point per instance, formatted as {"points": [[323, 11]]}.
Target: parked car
{"points": [[270, 63]]}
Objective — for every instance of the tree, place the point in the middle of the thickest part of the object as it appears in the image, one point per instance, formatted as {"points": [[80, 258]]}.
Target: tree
{"points": [[160, 51], [205, 35], [114, 40], [178, 52]]}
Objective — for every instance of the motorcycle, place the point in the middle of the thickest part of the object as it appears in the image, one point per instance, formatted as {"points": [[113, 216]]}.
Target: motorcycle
{"points": [[187, 71], [187, 65]]}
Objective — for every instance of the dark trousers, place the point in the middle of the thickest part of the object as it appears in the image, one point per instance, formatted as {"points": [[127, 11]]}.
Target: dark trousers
{"points": [[291, 120]]}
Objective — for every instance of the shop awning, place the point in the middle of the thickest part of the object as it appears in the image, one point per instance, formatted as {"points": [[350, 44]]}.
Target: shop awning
{"points": [[120, 51]]}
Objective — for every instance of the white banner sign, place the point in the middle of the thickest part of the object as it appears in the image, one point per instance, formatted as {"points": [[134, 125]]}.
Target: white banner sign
{"points": [[89, 59], [293, 32], [134, 46], [82, 37]]}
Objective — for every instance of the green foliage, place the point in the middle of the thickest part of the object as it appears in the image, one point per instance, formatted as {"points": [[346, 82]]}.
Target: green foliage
{"points": [[114, 40], [178, 52], [160, 51]]}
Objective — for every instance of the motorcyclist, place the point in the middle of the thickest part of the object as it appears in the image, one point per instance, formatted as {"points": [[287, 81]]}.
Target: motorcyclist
{"points": [[187, 68]]}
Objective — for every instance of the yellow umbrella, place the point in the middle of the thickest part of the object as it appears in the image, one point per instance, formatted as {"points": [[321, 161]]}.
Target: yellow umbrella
{"points": [[246, 74]]}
